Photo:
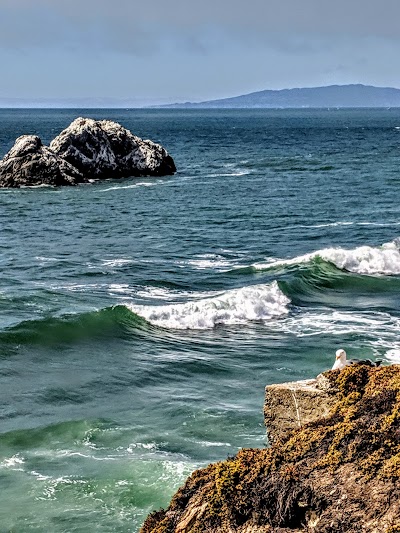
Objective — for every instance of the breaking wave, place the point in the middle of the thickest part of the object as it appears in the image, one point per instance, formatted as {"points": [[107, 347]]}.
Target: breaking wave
{"points": [[369, 260], [203, 311], [237, 306]]}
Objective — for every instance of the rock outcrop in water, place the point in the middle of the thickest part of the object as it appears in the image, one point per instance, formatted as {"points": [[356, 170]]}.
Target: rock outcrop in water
{"points": [[103, 149], [340, 473], [30, 163], [86, 150]]}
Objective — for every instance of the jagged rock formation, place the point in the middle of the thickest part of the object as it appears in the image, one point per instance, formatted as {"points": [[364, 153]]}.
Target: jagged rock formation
{"points": [[30, 163], [338, 474], [104, 149], [86, 150]]}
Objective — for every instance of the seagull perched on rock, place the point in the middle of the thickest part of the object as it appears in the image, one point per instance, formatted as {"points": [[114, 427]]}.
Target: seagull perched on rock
{"points": [[342, 361]]}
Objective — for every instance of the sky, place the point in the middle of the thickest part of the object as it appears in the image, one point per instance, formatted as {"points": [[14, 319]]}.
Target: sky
{"points": [[154, 51]]}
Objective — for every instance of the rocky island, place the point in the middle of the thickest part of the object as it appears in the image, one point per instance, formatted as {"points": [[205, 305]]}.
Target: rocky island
{"points": [[87, 150], [334, 465]]}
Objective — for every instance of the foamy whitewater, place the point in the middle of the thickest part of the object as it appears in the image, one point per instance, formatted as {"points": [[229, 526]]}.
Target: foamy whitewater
{"points": [[381, 260], [238, 306], [141, 319]]}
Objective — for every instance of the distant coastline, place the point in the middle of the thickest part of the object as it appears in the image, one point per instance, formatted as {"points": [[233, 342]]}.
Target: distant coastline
{"points": [[332, 96]]}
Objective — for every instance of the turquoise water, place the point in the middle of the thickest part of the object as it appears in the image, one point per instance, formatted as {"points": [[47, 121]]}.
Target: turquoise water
{"points": [[140, 320]]}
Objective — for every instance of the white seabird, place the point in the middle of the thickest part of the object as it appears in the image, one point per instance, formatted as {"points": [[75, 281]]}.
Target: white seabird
{"points": [[341, 360]]}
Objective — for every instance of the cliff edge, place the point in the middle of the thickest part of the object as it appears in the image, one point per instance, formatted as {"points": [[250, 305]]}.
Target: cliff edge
{"points": [[337, 473]]}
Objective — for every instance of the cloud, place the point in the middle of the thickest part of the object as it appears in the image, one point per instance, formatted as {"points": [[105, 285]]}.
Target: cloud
{"points": [[126, 26], [213, 48]]}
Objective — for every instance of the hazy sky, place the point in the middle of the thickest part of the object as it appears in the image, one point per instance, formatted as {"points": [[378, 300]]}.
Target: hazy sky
{"points": [[179, 49]]}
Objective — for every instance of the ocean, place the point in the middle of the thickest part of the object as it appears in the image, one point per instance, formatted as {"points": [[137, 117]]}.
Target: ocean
{"points": [[141, 319]]}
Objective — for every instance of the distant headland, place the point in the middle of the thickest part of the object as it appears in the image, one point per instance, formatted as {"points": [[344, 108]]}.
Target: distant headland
{"points": [[355, 95]]}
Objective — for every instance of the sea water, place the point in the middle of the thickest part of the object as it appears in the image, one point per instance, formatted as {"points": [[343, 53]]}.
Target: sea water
{"points": [[141, 319]]}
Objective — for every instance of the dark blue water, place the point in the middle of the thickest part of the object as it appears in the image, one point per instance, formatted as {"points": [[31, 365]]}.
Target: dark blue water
{"points": [[141, 319]]}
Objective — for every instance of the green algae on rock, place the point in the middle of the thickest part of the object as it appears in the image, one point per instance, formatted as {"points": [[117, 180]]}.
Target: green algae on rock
{"points": [[337, 474]]}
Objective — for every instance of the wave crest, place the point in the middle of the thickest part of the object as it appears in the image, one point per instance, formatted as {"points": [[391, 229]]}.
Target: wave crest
{"points": [[382, 260], [237, 306]]}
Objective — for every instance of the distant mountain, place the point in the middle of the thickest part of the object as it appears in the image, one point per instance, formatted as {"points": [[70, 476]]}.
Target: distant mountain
{"points": [[331, 96]]}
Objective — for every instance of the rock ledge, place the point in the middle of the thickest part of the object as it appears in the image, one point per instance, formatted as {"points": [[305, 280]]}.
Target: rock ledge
{"points": [[289, 406]]}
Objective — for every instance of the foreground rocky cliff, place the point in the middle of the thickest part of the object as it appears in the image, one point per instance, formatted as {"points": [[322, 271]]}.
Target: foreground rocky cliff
{"points": [[88, 149], [339, 473]]}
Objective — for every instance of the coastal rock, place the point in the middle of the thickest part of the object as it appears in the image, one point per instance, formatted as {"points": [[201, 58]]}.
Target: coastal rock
{"points": [[289, 406], [339, 473], [103, 149], [29, 163], [86, 150]]}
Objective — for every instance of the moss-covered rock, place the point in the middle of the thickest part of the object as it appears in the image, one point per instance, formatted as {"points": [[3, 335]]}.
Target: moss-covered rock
{"points": [[338, 474]]}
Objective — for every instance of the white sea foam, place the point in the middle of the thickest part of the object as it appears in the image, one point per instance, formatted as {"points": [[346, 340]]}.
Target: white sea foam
{"points": [[160, 293], [210, 261], [119, 288], [40, 186], [377, 325], [142, 445], [237, 306], [134, 185], [76, 287], [344, 223], [210, 444], [13, 462], [393, 355], [382, 260], [46, 259], [116, 262], [52, 485], [173, 470], [39, 476], [378, 330], [170, 295], [228, 175]]}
